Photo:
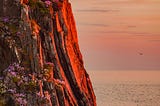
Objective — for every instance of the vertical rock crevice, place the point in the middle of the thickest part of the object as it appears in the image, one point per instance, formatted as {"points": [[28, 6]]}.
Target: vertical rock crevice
{"points": [[42, 63]]}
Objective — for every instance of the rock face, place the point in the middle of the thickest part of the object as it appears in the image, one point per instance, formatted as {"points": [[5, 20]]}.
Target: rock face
{"points": [[40, 60]]}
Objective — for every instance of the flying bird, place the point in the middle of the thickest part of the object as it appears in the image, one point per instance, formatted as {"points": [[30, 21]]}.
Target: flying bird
{"points": [[140, 53]]}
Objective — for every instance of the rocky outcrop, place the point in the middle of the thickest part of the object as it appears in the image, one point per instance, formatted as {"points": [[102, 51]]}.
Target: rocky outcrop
{"points": [[40, 60]]}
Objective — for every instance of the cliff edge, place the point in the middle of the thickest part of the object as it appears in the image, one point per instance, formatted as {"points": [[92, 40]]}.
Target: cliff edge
{"points": [[40, 60]]}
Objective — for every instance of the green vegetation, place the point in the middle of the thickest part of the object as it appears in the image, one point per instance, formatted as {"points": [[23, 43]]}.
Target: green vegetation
{"points": [[2, 88], [39, 5], [8, 26]]}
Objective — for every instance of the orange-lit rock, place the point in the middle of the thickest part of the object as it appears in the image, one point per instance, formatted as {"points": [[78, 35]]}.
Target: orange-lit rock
{"points": [[25, 1], [40, 87], [49, 53]]}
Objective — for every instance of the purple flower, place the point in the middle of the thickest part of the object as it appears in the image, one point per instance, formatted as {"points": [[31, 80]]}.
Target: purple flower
{"points": [[13, 73], [10, 68], [12, 90], [48, 3], [25, 79], [24, 101], [49, 63], [21, 95], [21, 101], [16, 65], [19, 82], [1, 78], [38, 94], [5, 19], [18, 33]]}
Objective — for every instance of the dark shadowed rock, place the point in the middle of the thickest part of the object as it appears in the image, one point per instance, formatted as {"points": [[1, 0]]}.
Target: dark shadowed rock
{"points": [[10, 8]]}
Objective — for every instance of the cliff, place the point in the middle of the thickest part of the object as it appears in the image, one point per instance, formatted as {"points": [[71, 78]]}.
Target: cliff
{"points": [[40, 60]]}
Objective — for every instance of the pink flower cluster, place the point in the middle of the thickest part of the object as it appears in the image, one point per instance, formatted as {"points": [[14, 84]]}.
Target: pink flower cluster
{"points": [[48, 3]]}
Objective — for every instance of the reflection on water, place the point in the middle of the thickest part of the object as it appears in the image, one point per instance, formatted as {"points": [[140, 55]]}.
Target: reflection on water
{"points": [[127, 94], [126, 88]]}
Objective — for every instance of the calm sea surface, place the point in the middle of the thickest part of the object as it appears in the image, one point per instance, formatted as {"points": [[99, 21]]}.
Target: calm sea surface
{"points": [[126, 88]]}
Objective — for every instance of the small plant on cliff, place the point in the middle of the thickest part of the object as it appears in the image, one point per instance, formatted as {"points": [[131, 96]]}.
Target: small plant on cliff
{"points": [[18, 83], [8, 26], [34, 4]]}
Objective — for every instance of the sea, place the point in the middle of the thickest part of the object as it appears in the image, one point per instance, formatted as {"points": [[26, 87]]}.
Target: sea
{"points": [[126, 88], [121, 34]]}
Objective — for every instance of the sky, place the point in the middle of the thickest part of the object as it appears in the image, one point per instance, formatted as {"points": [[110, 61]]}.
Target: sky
{"points": [[118, 34]]}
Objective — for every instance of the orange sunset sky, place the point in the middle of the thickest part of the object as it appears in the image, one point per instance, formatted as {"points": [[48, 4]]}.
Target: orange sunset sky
{"points": [[118, 34]]}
